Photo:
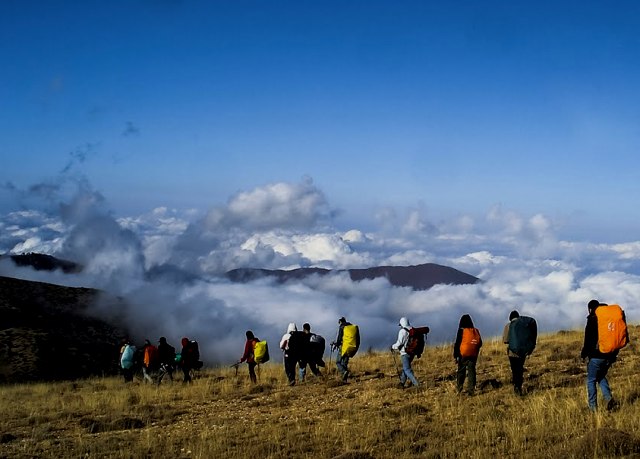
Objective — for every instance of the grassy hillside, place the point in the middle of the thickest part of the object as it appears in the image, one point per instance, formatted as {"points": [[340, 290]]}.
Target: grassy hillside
{"points": [[222, 415], [40, 322]]}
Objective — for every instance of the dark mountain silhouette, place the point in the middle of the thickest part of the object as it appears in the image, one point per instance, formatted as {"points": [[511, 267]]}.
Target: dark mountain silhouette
{"points": [[45, 333], [419, 277], [42, 262]]}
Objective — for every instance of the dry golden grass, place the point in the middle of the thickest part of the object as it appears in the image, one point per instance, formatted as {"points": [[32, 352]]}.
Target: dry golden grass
{"points": [[223, 415]]}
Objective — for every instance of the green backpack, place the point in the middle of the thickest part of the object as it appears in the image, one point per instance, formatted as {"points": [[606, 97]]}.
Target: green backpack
{"points": [[523, 334]]}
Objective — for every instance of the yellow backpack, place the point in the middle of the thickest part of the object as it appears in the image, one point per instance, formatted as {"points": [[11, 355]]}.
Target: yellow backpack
{"points": [[612, 328], [261, 352], [350, 340]]}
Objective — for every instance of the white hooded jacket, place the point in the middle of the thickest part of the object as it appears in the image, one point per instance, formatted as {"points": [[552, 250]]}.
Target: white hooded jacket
{"points": [[284, 342], [403, 336]]}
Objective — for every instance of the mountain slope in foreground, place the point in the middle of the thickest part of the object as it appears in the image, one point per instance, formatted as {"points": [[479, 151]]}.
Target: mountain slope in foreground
{"points": [[222, 415], [45, 333]]}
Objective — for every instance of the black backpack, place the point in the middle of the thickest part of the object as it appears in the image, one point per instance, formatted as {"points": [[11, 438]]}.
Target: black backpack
{"points": [[317, 345], [297, 344], [194, 355]]}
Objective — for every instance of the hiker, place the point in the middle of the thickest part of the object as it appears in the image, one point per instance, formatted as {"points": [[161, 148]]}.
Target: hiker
{"points": [[307, 356], [150, 363], [465, 352], [289, 353], [167, 359], [347, 346], [127, 359], [189, 358], [401, 346], [520, 335], [248, 356], [604, 335]]}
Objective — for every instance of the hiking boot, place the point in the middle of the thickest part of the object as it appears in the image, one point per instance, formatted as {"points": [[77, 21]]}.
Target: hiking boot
{"points": [[517, 390], [345, 375], [400, 385], [612, 405]]}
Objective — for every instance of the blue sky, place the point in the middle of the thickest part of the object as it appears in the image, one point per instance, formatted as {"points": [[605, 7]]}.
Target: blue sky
{"points": [[500, 138], [456, 106]]}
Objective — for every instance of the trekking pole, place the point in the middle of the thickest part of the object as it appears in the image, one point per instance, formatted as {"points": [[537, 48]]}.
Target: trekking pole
{"points": [[235, 365], [395, 364]]}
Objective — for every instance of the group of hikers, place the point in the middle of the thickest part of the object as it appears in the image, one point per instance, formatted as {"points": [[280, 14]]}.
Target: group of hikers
{"points": [[159, 361], [605, 334]]}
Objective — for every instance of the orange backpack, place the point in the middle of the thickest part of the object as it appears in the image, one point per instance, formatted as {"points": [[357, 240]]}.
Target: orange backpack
{"points": [[150, 356], [612, 328], [470, 344]]}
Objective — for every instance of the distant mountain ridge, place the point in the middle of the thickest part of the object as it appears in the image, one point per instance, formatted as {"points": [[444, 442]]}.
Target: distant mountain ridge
{"points": [[418, 277], [42, 262]]}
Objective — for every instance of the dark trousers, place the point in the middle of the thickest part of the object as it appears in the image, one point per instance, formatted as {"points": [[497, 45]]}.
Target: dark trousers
{"points": [[517, 372], [128, 374], [290, 368], [186, 371], [252, 372], [466, 369]]}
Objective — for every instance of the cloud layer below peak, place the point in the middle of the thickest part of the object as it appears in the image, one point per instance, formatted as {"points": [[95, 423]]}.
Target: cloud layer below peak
{"points": [[521, 261]]}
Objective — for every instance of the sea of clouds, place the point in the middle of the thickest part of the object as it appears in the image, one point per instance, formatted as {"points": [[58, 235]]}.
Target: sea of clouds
{"points": [[169, 265]]}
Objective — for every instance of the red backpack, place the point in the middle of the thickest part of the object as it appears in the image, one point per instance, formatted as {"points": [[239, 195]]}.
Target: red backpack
{"points": [[416, 341]]}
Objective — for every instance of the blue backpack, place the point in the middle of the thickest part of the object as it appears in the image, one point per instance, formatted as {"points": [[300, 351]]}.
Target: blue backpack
{"points": [[128, 357]]}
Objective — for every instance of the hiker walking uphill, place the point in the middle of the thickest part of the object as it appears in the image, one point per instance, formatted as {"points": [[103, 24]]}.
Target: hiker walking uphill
{"points": [[150, 361], [407, 353], [167, 359], [311, 352], [248, 355], [604, 335], [465, 352], [347, 343], [189, 358], [127, 359], [520, 336], [288, 346]]}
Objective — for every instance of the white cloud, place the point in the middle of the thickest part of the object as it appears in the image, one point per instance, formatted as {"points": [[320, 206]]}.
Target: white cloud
{"points": [[519, 259], [277, 205]]}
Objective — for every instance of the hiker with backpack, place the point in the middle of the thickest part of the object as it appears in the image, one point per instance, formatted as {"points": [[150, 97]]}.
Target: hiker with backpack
{"points": [[167, 359], [404, 346], [248, 355], [127, 359], [347, 344], [189, 358], [150, 361], [520, 335], [604, 335], [290, 346], [465, 352], [311, 352]]}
